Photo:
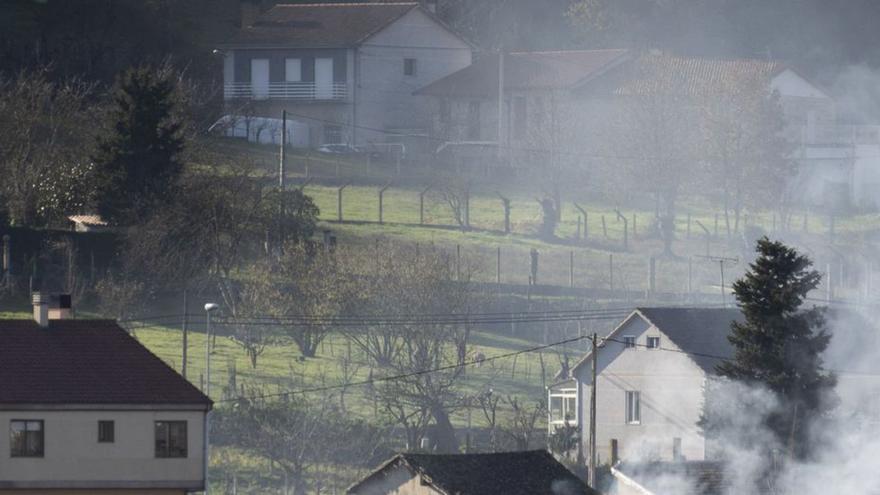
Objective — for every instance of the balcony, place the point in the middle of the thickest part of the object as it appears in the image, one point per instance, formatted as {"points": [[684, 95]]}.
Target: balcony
{"points": [[304, 91]]}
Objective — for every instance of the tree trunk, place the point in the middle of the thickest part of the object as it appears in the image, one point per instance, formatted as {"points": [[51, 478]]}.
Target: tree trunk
{"points": [[446, 441]]}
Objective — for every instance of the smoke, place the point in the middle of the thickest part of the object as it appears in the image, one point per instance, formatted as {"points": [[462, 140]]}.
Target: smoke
{"points": [[856, 92], [847, 444]]}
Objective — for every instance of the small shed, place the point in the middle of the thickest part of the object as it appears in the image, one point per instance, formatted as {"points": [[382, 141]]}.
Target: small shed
{"points": [[533, 472]]}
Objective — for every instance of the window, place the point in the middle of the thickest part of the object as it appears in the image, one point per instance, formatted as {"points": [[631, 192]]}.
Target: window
{"points": [[520, 117], [293, 69], [260, 78], [332, 134], [629, 342], [473, 124], [633, 407], [653, 342], [409, 67], [170, 438], [563, 406], [26, 438], [106, 432]]}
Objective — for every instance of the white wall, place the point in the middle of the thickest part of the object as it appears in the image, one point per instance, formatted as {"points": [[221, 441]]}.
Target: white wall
{"points": [[671, 387], [384, 94], [73, 457]]}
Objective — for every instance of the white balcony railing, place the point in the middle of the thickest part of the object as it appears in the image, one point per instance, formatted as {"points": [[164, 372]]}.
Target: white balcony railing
{"points": [[286, 90]]}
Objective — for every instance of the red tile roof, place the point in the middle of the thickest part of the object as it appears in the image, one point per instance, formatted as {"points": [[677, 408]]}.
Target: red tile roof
{"points": [[526, 70], [85, 362], [690, 75], [332, 25]]}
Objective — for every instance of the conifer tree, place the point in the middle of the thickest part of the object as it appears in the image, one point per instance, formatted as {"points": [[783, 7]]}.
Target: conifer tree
{"points": [[137, 160], [779, 344]]}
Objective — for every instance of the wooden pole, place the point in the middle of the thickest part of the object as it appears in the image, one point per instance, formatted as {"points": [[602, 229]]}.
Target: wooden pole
{"points": [[381, 197], [339, 201], [611, 272], [498, 265], [571, 269], [594, 361], [185, 336]]}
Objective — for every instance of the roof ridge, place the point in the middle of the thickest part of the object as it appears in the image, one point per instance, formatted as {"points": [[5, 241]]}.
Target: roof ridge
{"points": [[573, 50], [344, 4]]}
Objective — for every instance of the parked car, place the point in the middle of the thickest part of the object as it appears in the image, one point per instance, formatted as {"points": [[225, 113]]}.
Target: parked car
{"points": [[347, 149]]}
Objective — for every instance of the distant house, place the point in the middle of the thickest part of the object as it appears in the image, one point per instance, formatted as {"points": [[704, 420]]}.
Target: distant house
{"points": [[88, 223], [670, 478], [562, 101], [651, 374], [510, 473], [85, 408], [346, 72]]}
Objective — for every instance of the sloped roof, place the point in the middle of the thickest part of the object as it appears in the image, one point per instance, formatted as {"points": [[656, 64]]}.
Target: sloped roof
{"points": [[330, 25], [690, 75], [678, 478], [700, 332], [533, 472], [95, 220], [85, 362], [525, 70]]}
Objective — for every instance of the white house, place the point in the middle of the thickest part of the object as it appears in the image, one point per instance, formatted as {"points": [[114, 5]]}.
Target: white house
{"points": [[649, 399], [558, 103], [85, 408], [344, 71], [652, 370]]}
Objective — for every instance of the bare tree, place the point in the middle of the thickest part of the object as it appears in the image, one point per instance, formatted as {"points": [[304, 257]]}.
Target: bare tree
{"points": [[653, 138], [455, 192], [47, 131], [742, 125], [426, 305], [522, 426]]}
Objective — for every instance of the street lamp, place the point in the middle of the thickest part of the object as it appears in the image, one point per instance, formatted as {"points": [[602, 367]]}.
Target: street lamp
{"points": [[209, 308]]}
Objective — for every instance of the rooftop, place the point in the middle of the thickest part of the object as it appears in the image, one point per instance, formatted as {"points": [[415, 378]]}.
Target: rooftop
{"points": [[85, 362], [526, 70], [533, 472], [679, 478], [331, 25]]}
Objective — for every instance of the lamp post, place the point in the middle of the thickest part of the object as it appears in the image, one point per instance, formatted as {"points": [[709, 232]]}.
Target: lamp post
{"points": [[209, 308]]}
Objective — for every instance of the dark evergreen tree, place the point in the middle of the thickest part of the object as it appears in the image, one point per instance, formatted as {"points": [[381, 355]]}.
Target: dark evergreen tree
{"points": [[137, 160], [779, 345]]}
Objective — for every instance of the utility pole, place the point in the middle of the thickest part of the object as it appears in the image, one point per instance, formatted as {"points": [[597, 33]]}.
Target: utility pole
{"points": [[283, 146], [592, 467], [185, 334], [500, 99], [281, 173], [721, 260]]}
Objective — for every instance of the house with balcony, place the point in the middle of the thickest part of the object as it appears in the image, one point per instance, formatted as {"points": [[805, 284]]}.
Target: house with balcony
{"points": [[651, 374], [343, 72], [85, 408]]}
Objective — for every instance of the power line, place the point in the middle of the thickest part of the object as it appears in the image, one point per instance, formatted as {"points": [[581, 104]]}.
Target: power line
{"points": [[401, 376]]}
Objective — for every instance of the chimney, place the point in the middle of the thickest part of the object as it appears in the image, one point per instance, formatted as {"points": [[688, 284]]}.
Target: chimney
{"points": [[431, 6], [41, 309], [60, 307], [249, 10]]}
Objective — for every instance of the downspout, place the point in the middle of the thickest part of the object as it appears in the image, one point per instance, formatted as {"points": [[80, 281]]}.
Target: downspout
{"points": [[580, 420], [207, 448]]}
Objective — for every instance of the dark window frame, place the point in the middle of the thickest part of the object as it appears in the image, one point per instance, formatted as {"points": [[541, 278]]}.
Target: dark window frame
{"points": [[629, 342], [40, 451], [410, 66], [103, 436], [167, 450], [653, 340]]}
